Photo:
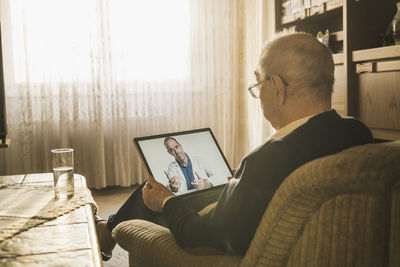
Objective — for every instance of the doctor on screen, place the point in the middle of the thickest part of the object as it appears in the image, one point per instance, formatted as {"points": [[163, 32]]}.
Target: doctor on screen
{"points": [[185, 172]]}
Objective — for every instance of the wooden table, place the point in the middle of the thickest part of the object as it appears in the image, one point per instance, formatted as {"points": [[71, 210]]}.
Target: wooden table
{"points": [[69, 240]]}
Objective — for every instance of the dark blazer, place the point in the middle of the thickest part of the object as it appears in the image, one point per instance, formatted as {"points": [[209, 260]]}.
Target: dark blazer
{"points": [[231, 225]]}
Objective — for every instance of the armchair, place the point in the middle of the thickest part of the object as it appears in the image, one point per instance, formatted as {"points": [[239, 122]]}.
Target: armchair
{"points": [[339, 210]]}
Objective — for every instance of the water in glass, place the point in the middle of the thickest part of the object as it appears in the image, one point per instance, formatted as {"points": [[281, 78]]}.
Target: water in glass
{"points": [[63, 182]]}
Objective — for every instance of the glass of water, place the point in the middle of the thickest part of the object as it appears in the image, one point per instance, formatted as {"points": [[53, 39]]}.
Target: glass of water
{"points": [[63, 172]]}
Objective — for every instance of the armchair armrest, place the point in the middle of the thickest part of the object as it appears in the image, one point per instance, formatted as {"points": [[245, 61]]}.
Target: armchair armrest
{"points": [[150, 244]]}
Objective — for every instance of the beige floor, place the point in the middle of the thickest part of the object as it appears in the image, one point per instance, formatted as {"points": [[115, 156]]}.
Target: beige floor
{"points": [[108, 201]]}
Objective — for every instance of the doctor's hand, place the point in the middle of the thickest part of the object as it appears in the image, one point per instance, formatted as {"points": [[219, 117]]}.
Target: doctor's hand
{"points": [[200, 183], [154, 194], [174, 182]]}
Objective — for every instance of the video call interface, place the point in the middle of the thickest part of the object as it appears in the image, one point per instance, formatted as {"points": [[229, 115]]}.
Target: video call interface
{"points": [[184, 162]]}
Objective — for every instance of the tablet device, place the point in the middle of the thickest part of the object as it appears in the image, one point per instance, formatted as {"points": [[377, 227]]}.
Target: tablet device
{"points": [[185, 162]]}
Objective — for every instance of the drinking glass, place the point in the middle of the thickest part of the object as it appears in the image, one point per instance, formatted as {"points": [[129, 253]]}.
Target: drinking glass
{"points": [[63, 172]]}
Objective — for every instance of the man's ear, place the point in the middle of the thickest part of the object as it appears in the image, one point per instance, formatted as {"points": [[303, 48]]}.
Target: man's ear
{"points": [[279, 88]]}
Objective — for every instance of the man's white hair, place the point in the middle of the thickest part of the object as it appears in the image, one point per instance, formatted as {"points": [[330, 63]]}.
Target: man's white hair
{"points": [[301, 61]]}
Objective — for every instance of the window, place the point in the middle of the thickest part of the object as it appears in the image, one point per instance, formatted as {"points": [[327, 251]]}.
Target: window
{"points": [[132, 40], [153, 37]]}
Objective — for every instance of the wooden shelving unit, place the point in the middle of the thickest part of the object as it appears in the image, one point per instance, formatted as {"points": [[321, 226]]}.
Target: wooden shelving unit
{"points": [[338, 58], [356, 28], [379, 53], [319, 11], [378, 80]]}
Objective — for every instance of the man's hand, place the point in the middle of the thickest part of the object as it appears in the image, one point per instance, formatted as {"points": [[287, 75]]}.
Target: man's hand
{"points": [[174, 182], [200, 183], [154, 194], [230, 177]]}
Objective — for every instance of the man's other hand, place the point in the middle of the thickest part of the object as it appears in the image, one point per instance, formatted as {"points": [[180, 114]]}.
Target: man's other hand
{"points": [[174, 182], [154, 194]]}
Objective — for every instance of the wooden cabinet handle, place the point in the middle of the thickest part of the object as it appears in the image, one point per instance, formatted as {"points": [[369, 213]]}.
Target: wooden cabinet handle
{"points": [[365, 67]]}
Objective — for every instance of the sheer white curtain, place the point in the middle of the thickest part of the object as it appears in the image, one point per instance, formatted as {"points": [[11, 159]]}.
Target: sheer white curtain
{"points": [[93, 74]]}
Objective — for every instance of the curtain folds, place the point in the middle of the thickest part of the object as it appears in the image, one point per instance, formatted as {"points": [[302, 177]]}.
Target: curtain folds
{"points": [[78, 86]]}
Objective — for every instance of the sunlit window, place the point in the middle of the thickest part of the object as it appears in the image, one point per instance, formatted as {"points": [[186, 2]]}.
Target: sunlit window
{"points": [[152, 36], [80, 40]]}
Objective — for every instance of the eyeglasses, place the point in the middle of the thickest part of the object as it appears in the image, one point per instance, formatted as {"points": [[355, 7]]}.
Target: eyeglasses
{"points": [[255, 88]]}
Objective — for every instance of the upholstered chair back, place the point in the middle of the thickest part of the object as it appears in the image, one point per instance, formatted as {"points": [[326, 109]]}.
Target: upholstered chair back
{"points": [[340, 210]]}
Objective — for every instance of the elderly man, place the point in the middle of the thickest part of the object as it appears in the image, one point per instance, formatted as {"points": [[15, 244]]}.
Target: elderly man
{"points": [[294, 84]]}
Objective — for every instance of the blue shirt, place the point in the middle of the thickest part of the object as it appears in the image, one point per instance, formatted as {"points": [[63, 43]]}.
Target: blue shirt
{"points": [[188, 172]]}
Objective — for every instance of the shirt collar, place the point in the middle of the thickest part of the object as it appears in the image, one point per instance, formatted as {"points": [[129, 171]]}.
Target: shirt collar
{"points": [[289, 128], [189, 162]]}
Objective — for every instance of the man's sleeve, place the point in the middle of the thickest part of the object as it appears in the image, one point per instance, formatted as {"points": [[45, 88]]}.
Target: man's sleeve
{"points": [[170, 173], [232, 223], [173, 171]]}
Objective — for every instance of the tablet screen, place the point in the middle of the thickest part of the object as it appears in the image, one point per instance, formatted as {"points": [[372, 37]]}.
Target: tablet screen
{"points": [[185, 162]]}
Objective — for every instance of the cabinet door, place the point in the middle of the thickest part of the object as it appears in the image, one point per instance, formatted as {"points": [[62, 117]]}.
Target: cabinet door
{"points": [[379, 103]]}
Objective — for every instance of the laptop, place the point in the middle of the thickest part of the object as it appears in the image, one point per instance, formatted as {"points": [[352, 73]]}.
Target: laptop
{"points": [[189, 163]]}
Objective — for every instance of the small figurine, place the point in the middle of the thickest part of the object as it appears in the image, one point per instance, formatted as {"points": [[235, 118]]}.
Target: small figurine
{"points": [[323, 38]]}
